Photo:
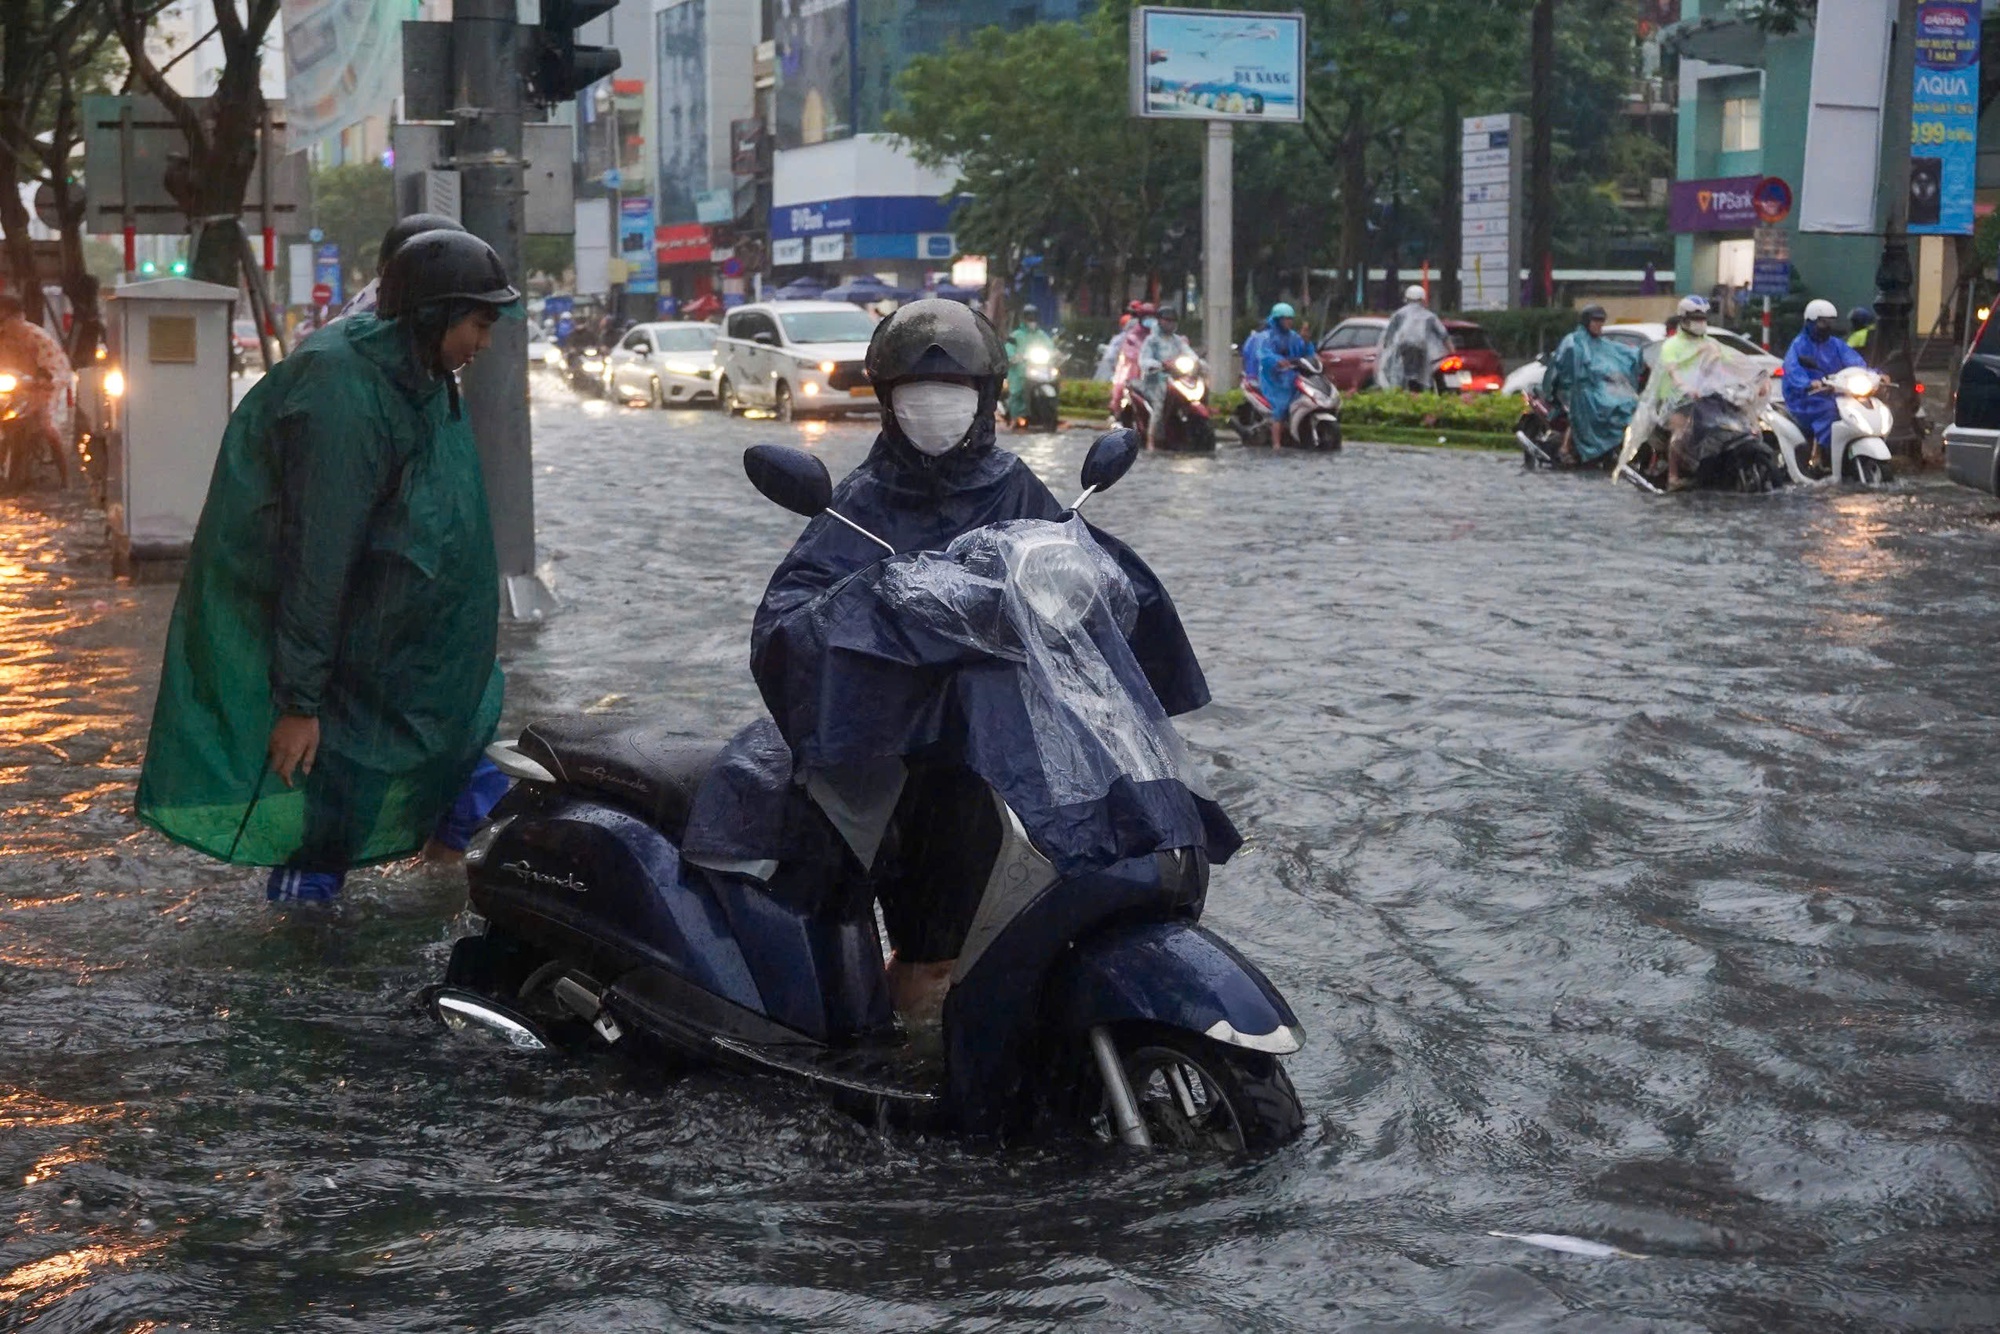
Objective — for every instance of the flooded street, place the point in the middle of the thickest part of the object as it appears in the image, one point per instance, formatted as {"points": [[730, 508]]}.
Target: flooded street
{"points": [[1633, 863]]}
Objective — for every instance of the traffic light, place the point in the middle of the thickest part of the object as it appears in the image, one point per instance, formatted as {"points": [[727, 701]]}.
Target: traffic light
{"points": [[180, 268], [561, 68]]}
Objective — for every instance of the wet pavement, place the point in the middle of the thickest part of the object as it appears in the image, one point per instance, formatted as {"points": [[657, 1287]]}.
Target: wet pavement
{"points": [[1631, 862]]}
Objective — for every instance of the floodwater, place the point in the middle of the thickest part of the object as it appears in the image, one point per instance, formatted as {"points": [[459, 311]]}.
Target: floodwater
{"points": [[1632, 863]]}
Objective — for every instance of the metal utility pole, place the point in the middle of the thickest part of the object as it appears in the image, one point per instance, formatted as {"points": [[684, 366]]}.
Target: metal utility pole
{"points": [[486, 147], [1218, 241], [1894, 277]]}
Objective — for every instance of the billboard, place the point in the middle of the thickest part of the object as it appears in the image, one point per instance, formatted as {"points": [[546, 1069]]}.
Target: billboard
{"points": [[681, 95], [1210, 64], [815, 47], [1489, 210], [636, 245], [1944, 118]]}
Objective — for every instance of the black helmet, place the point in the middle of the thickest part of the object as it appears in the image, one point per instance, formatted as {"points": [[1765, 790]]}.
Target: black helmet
{"points": [[934, 337], [1593, 311], [1861, 317], [440, 265], [1169, 313], [1031, 311], [402, 229]]}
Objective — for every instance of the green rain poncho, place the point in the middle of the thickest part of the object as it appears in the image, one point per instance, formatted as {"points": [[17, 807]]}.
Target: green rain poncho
{"points": [[1596, 379], [343, 568]]}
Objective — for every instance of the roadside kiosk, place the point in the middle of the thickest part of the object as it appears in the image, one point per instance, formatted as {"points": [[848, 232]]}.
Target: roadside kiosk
{"points": [[169, 395]]}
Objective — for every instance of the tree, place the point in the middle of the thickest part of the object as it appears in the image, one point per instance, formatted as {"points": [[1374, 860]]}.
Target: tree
{"points": [[353, 204], [222, 137]]}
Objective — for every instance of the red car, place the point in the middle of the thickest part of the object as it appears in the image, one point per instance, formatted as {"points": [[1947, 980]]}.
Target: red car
{"points": [[1348, 353]]}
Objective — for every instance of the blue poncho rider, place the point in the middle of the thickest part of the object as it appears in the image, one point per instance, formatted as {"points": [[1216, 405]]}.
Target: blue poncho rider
{"points": [[1815, 354], [1595, 380], [934, 473], [1279, 346], [1162, 348]]}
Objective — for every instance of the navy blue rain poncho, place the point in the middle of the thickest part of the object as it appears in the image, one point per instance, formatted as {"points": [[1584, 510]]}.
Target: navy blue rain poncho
{"points": [[851, 681]]}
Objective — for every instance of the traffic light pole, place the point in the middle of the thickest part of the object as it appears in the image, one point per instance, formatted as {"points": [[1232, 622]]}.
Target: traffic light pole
{"points": [[487, 149]]}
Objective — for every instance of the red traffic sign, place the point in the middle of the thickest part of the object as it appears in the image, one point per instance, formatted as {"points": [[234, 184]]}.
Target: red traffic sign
{"points": [[1772, 199], [322, 294]]}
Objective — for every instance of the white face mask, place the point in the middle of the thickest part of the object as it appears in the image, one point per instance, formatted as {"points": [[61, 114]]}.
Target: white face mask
{"points": [[934, 414], [1695, 328]]}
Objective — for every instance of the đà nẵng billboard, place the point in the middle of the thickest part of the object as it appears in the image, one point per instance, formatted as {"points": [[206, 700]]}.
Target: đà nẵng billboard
{"points": [[1214, 64]]}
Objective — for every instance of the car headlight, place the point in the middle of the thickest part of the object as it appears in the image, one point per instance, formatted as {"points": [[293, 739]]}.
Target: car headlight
{"points": [[685, 368], [1856, 381], [1184, 364], [593, 364], [826, 368], [1038, 356]]}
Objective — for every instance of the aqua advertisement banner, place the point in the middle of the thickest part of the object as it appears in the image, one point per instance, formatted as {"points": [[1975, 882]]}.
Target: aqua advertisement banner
{"points": [[1944, 119], [1216, 64], [636, 245]]}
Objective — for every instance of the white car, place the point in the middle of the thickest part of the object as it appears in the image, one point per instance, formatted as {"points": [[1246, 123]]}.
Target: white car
{"points": [[1647, 338], [795, 358], [666, 364]]}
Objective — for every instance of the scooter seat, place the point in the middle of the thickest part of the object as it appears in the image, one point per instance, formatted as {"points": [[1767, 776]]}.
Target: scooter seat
{"points": [[645, 769]]}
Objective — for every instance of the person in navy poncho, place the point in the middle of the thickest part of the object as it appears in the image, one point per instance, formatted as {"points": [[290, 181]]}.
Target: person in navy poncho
{"points": [[1278, 349], [848, 683]]}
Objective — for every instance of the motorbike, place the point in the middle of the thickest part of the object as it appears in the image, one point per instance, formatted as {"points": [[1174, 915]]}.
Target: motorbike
{"points": [[1540, 431], [1721, 441], [585, 364], [23, 450], [1093, 1000], [1185, 422], [1038, 366], [1313, 420], [1858, 449]]}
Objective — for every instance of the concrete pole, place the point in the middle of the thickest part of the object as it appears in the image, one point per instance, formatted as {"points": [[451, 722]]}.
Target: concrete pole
{"points": [[1895, 280], [1218, 242], [486, 144]]}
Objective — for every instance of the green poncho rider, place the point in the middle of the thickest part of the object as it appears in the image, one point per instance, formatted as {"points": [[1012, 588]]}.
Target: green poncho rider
{"points": [[1020, 348], [329, 680]]}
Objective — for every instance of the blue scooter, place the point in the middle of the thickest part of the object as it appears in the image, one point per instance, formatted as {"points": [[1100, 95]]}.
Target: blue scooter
{"points": [[1095, 1000]]}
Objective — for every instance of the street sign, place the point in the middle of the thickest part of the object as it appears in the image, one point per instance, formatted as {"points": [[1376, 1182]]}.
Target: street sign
{"points": [[1770, 277], [322, 294], [1489, 224], [130, 143], [1772, 199]]}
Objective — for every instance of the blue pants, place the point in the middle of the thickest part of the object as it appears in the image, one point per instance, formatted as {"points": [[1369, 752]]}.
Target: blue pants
{"points": [[1816, 413], [482, 792]]}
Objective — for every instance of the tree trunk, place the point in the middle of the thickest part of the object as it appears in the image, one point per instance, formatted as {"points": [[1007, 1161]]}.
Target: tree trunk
{"points": [[1541, 148], [1452, 214], [17, 95], [1354, 205], [20, 247]]}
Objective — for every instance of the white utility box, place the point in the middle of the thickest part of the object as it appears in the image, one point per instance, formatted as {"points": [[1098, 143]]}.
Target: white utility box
{"points": [[170, 341]]}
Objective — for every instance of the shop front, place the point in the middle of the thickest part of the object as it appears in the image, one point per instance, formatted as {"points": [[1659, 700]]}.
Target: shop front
{"points": [[687, 267], [1719, 217]]}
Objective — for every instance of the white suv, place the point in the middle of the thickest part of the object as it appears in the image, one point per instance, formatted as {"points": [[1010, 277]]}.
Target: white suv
{"points": [[795, 358]]}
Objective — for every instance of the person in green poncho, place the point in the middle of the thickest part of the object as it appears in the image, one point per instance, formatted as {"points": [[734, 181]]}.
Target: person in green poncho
{"points": [[1020, 349], [329, 680]]}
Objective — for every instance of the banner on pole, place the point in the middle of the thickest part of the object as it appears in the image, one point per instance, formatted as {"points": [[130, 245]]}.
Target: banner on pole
{"points": [[1944, 118], [1490, 211], [343, 63], [636, 245], [1850, 74]]}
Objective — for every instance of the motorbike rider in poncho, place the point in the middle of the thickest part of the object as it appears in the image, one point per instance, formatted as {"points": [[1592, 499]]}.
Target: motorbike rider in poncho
{"points": [[870, 701], [1815, 354], [1029, 335], [1126, 369], [1413, 343], [1595, 380], [329, 680], [1700, 392], [1279, 345], [1162, 346]]}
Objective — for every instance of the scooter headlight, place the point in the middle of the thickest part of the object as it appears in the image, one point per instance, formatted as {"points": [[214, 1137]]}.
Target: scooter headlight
{"points": [[1038, 356], [1857, 382], [1184, 364], [8, 384]]}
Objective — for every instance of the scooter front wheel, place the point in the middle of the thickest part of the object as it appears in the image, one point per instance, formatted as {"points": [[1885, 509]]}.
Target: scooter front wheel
{"points": [[1194, 1093]]}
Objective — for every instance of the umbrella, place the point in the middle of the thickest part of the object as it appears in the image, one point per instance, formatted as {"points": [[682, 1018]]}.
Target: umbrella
{"points": [[868, 290], [952, 292], [800, 289]]}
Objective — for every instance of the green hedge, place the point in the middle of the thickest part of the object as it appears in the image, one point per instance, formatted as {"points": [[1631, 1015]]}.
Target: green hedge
{"points": [[1487, 413]]}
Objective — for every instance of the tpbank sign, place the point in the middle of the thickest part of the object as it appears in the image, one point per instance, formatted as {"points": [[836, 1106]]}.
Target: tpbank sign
{"points": [[1724, 204]]}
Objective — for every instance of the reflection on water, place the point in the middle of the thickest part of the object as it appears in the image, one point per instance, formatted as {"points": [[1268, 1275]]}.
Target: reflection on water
{"points": [[1630, 861]]}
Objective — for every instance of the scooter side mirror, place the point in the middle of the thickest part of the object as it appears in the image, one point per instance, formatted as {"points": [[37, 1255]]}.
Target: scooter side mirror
{"points": [[790, 478], [1111, 456]]}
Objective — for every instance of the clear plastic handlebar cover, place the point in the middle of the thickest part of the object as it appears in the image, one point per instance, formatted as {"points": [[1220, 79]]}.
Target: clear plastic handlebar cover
{"points": [[1045, 596]]}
